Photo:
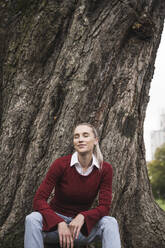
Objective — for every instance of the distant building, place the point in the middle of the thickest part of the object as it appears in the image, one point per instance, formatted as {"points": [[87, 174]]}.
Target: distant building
{"points": [[162, 121], [158, 136]]}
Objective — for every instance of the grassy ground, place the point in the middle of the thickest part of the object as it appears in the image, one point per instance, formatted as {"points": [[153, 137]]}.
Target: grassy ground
{"points": [[161, 203]]}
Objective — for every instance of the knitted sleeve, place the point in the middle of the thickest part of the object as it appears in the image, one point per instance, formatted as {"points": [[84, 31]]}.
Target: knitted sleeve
{"points": [[92, 216], [50, 218]]}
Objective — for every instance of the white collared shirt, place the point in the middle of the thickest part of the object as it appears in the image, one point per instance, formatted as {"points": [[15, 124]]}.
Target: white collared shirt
{"points": [[75, 162]]}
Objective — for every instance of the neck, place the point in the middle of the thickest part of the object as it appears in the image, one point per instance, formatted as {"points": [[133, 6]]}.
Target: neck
{"points": [[85, 159]]}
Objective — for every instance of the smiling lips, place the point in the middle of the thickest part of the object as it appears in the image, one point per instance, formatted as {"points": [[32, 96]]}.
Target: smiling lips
{"points": [[81, 146]]}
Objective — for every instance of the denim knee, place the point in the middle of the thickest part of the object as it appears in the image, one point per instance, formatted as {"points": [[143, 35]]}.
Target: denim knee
{"points": [[108, 221], [33, 218]]}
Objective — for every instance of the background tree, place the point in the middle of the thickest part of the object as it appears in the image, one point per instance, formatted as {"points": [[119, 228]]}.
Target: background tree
{"points": [[66, 61], [156, 170]]}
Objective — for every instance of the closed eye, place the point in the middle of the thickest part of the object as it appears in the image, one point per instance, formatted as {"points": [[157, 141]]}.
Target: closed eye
{"points": [[76, 136], [86, 134]]}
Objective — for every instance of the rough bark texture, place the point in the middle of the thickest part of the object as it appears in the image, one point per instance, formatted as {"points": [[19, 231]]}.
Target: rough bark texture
{"points": [[68, 61]]}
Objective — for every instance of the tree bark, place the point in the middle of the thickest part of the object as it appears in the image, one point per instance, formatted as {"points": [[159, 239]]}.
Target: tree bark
{"points": [[69, 61]]}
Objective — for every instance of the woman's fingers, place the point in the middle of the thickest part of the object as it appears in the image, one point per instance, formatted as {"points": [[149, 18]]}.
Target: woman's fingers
{"points": [[75, 225], [60, 239], [74, 232], [77, 232], [65, 236], [70, 242], [66, 240]]}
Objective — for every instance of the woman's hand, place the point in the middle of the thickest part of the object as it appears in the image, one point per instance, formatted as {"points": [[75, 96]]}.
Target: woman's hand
{"points": [[65, 235], [75, 225]]}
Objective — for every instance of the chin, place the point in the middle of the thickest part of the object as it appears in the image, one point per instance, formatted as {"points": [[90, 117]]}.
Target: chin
{"points": [[83, 152]]}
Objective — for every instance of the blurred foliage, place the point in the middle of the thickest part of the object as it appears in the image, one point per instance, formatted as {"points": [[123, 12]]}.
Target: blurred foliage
{"points": [[161, 203], [156, 169]]}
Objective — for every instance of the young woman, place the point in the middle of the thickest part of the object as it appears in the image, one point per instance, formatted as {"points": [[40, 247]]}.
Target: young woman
{"points": [[77, 179]]}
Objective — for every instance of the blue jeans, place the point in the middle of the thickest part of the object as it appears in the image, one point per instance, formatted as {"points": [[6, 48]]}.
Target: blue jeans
{"points": [[106, 229]]}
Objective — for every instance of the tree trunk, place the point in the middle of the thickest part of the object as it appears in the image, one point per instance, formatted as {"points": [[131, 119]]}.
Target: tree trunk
{"points": [[69, 61]]}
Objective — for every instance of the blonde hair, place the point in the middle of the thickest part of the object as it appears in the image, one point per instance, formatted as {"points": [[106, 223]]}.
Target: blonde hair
{"points": [[97, 152]]}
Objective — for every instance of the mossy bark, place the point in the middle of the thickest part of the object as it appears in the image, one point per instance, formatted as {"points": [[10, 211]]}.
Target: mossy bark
{"points": [[69, 61]]}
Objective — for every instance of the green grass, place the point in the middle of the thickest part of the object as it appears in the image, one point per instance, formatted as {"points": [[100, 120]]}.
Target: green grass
{"points": [[161, 203]]}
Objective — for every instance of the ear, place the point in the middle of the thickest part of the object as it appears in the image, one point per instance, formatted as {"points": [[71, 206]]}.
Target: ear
{"points": [[96, 141]]}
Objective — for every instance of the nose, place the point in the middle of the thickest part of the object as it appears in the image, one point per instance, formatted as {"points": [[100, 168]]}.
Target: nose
{"points": [[80, 138]]}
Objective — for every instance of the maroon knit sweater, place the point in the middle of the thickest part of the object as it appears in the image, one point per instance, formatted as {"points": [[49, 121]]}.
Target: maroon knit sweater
{"points": [[74, 194]]}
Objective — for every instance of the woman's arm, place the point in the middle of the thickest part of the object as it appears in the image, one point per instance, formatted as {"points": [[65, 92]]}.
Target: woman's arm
{"points": [[92, 216], [50, 218]]}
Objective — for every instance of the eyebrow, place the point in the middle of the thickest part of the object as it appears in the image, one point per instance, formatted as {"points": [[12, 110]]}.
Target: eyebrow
{"points": [[82, 133]]}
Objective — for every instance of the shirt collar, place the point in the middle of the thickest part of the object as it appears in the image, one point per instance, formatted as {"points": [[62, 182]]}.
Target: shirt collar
{"points": [[74, 160]]}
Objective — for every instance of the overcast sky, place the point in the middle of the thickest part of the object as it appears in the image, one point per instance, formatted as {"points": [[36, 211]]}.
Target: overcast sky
{"points": [[157, 97]]}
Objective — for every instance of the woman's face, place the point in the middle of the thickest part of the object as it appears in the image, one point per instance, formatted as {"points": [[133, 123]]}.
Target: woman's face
{"points": [[84, 139]]}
